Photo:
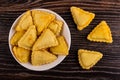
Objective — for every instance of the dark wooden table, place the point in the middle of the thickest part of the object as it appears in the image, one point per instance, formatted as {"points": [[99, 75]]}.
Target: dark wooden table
{"points": [[106, 69]]}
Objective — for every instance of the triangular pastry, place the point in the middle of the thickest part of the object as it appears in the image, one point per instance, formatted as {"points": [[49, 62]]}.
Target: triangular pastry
{"points": [[21, 54], [24, 22], [16, 37], [81, 17], [28, 39], [42, 57], [56, 26], [45, 40], [87, 58], [42, 19], [101, 33], [61, 48]]}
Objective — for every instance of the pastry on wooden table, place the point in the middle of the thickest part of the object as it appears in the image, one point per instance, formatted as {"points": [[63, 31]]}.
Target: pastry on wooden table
{"points": [[28, 39], [81, 17], [61, 48], [42, 57], [21, 54], [87, 59], [56, 27], [101, 33], [46, 39], [24, 22], [42, 19]]}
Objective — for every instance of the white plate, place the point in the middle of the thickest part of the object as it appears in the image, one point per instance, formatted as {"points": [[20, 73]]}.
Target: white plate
{"points": [[65, 33]]}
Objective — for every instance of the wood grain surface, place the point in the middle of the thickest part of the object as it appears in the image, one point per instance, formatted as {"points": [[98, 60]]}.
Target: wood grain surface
{"points": [[108, 68]]}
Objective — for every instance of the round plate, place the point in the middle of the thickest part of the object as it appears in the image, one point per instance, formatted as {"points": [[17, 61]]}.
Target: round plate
{"points": [[65, 33]]}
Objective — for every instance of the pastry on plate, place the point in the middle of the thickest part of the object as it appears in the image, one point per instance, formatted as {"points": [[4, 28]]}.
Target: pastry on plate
{"points": [[56, 27], [42, 19], [42, 57], [46, 39], [24, 22], [16, 37], [21, 54], [61, 48], [28, 39]]}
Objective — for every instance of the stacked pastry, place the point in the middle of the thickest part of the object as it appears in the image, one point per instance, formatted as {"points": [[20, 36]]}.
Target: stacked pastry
{"points": [[38, 39]]}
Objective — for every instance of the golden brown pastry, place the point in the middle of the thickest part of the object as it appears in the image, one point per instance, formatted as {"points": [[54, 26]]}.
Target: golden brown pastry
{"points": [[56, 27], [101, 33], [81, 17], [42, 57], [38, 32], [42, 19], [28, 39], [16, 37], [87, 59], [24, 22], [45, 40], [61, 48], [21, 54]]}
